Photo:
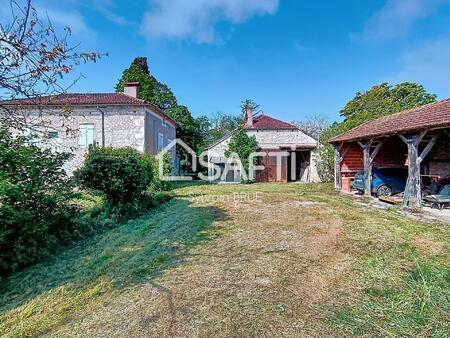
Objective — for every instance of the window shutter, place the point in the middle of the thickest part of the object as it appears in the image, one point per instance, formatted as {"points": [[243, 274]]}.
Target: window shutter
{"points": [[83, 136], [90, 134]]}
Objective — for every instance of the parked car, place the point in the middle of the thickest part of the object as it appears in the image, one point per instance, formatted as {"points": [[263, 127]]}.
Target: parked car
{"points": [[385, 181]]}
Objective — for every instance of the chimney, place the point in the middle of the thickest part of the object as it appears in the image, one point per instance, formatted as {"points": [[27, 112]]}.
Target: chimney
{"points": [[249, 114], [131, 89]]}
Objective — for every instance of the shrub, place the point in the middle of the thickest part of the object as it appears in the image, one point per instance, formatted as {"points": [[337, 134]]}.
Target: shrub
{"points": [[35, 210], [122, 174]]}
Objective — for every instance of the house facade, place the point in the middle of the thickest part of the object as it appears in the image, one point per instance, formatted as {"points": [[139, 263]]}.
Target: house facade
{"points": [[287, 154], [72, 122]]}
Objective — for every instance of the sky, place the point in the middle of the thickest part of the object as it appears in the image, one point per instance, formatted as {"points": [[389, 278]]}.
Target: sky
{"points": [[296, 58]]}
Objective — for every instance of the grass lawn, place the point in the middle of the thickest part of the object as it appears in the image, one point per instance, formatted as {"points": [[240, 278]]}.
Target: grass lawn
{"points": [[243, 261]]}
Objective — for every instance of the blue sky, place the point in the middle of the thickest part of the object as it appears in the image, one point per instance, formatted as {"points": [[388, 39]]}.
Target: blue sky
{"points": [[294, 57]]}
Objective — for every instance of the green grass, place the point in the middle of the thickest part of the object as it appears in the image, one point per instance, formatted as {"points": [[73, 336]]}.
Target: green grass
{"points": [[293, 260]]}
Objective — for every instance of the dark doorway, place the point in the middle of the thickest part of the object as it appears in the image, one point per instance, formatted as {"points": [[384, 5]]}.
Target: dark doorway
{"points": [[298, 169]]}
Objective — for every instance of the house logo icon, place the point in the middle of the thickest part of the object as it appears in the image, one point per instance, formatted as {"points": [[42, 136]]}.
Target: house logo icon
{"points": [[167, 150]]}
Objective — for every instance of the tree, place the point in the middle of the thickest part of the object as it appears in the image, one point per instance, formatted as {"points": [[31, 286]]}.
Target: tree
{"points": [[314, 125], [249, 103], [150, 89], [242, 145], [221, 123], [383, 100], [33, 59]]}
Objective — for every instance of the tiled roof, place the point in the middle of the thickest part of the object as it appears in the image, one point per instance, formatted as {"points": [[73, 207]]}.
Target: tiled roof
{"points": [[76, 99], [269, 123], [435, 115]]}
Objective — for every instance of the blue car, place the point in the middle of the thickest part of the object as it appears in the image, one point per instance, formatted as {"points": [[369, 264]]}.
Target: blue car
{"points": [[385, 181]]}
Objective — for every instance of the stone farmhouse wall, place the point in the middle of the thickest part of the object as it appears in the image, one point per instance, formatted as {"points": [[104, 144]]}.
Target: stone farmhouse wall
{"points": [[124, 126]]}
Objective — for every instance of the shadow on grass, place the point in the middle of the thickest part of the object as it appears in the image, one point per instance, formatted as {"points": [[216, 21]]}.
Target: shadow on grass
{"points": [[133, 253]]}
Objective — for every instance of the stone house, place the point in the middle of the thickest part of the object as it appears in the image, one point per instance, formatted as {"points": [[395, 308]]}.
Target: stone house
{"points": [[288, 153], [72, 122]]}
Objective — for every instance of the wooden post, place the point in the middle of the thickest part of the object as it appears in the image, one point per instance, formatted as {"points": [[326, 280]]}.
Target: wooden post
{"points": [[367, 168], [369, 157], [413, 190], [337, 167], [338, 158]]}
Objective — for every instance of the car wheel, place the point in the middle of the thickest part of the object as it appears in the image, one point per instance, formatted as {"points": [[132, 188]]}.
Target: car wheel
{"points": [[384, 190]]}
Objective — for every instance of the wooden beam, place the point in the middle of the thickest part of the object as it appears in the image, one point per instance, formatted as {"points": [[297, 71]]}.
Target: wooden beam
{"points": [[376, 151], [427, 149], [367, 167]]}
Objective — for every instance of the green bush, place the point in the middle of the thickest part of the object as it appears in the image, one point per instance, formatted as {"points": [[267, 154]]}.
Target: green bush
{"points": [[123, 174], [36, 214]]}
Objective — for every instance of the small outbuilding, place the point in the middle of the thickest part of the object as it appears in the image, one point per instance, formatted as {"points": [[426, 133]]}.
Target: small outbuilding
{"points": [[416, 139], [287, 153]]}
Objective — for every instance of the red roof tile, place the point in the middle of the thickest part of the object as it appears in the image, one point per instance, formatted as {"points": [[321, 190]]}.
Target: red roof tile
{"points": [[76, 99], [269, 123], [435, 115]]}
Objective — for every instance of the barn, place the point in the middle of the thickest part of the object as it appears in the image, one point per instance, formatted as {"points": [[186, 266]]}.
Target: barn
{"points": [[417, 140]]}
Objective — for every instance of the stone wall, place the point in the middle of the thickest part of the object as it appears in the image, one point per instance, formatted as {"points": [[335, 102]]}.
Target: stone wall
{"points": [[124, 126]]}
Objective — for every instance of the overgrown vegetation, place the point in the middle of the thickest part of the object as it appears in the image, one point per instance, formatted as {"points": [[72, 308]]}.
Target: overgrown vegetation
{"points": [[36, 213]]}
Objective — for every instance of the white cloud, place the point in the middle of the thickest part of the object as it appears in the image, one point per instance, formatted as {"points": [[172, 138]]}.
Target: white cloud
{"points": [[427, 64], [65, 18], [397, 17], [196, 19]]}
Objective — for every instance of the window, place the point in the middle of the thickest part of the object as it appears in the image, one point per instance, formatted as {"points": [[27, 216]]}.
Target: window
{"points": [[53, 135], [32, 137], [160, 141], [86, 135], [163, 122]]}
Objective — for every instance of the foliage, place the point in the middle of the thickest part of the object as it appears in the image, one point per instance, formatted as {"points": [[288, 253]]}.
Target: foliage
{"points": [[35, 210], [122, 174], [379, 101], [249, 104], [314, 125], [220, 124], [150, 89], [242, 145], [33, 58]]}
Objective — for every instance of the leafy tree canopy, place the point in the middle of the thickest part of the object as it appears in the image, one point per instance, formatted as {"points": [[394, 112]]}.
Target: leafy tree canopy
{"points": [[150, 89], [380, 100]]}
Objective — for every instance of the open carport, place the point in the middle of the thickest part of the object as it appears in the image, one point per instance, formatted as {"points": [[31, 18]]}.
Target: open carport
{"points": [[417, 139]]}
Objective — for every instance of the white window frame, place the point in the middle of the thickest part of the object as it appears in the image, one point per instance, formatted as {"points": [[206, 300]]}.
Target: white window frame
{"points": [[160, 141], [84, 140], [164, 123]]}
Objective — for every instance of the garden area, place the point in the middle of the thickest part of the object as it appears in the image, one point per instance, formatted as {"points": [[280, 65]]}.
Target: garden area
{"points": [[248, 260]]}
